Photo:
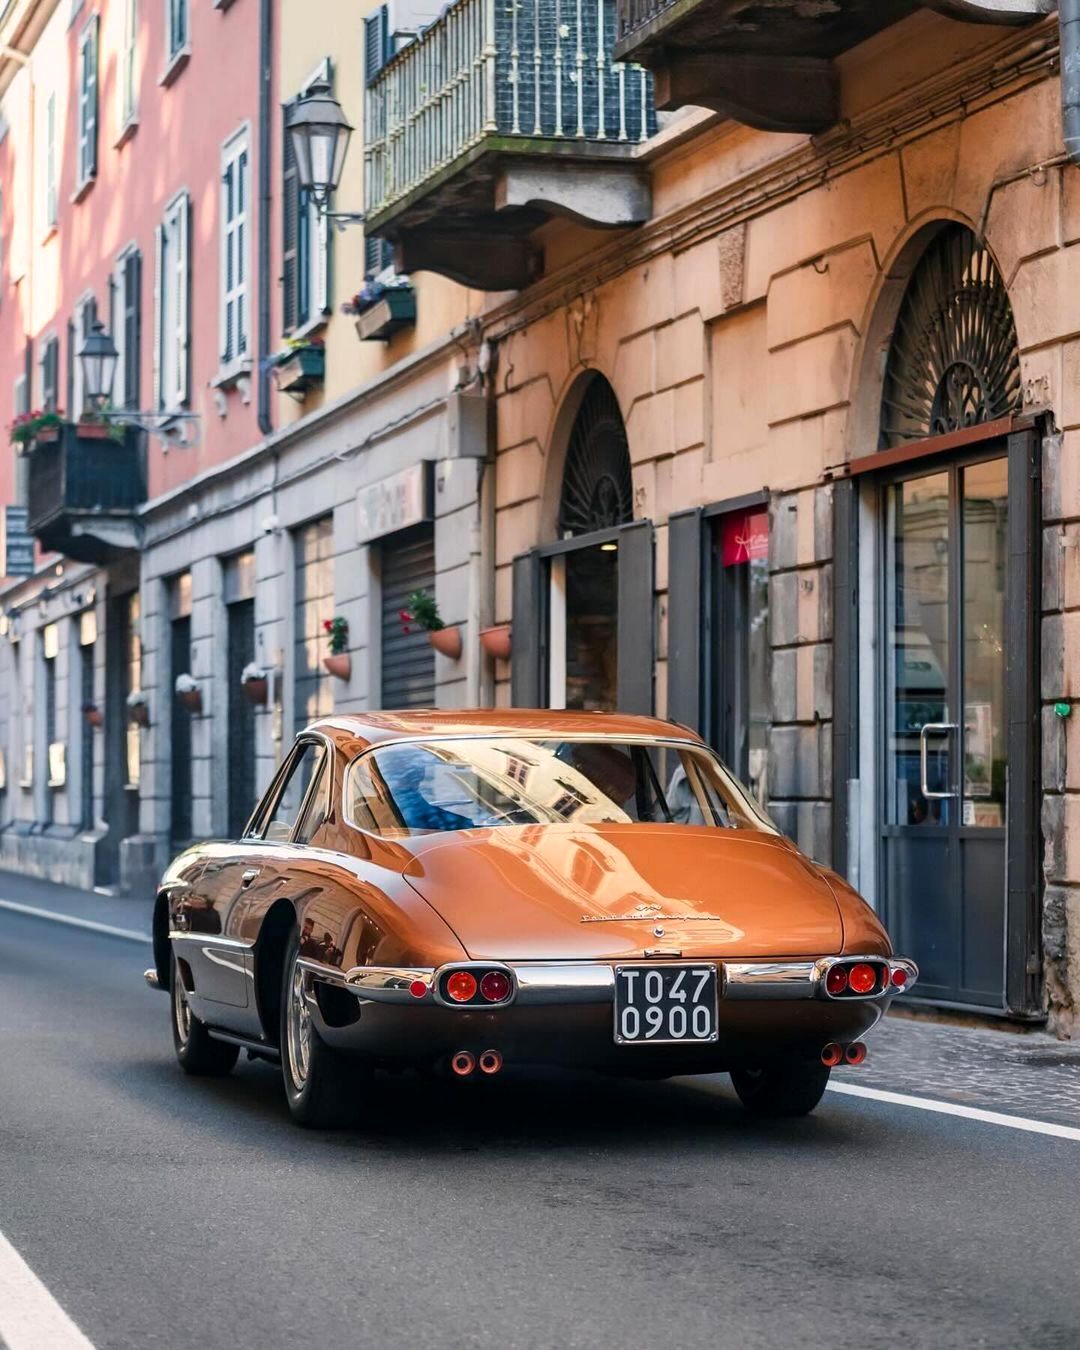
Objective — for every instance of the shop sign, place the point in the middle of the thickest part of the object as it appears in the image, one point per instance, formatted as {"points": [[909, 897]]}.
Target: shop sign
{"points": [[394, 503], [18, 543], [744, 537]]}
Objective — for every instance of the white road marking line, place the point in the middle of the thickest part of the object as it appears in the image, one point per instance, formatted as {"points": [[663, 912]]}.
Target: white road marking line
{"points": [[955, 1109], [30, 1318], [73, 922]]}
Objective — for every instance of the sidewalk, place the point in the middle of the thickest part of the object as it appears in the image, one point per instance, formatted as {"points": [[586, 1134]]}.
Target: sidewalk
{"points": [[1020, 1073], [117, 911]]}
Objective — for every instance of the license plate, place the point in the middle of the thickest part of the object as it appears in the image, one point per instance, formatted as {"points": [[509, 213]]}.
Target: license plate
{"points": [[664, 1004]]}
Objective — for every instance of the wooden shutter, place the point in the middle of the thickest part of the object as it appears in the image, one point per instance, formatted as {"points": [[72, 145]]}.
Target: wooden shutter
{"points": [[132, 321], [183, 305], [376, 42], [91, 76], [528, 650], [69, 378], [684, 607], [159, 332], [50, 361], [290, 204], [636, 622]]}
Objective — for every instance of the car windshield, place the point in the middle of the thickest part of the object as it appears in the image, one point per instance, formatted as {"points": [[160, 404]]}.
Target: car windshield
{"points": [[468, 783]]}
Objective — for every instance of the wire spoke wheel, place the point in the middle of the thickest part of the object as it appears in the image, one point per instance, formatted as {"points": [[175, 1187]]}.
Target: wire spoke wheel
{"points": [[298, 1045]]}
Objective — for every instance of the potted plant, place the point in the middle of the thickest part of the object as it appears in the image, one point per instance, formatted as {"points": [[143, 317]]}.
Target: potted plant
{"points": [[496, 641], [381, 308], [255, 683], [34, 426], [138, 706], [188, 693], [93, 714], [423, 611], [96, 425], [339, 662], [299, 366]]}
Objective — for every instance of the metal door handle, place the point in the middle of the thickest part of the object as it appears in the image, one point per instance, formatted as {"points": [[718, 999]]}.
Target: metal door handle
{"points": [[944, 728], [246, 878]]}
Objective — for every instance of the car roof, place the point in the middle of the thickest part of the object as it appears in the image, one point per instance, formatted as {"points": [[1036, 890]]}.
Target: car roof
{"points": [[373, 728]]}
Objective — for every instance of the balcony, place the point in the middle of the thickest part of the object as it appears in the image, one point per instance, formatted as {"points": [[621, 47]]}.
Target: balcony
{"points": [[84, 489], [497, 118], [769, 63]]}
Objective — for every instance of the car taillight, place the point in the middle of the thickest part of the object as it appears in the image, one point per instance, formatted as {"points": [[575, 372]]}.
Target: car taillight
{"points": [[836, 982], [899, 977], [418, 988], [461, 986], [862, 978], [495, 986]]}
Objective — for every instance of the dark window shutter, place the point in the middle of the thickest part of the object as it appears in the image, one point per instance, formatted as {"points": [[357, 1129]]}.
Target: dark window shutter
{"points": [[527, 683], [69, 372], [635, 641], [50, 370], [92, 102], [684, 606], [378, 255], [132, 321], [290, 200], [376, 42]]}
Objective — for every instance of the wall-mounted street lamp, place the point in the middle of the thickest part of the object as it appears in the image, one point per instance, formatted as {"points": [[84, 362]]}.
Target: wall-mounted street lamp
{"points": [[319, 132], [98, 358]]}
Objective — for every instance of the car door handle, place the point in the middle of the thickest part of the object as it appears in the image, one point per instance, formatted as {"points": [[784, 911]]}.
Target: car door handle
{"points": [[944, 728], [246, 878]]}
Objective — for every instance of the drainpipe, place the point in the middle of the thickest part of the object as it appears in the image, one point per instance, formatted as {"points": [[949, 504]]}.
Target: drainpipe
{"points": [[266, 49], [1069, 42]]}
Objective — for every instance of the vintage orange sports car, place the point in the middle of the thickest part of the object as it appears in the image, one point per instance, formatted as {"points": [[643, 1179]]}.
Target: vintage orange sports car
{"points": [[474, 890]]}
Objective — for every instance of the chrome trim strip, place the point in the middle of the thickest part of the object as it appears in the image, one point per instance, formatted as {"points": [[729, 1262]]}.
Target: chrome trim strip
{"points": [[564, 982], [387, 984], [320, 971], [770, 979], [212, 940]]}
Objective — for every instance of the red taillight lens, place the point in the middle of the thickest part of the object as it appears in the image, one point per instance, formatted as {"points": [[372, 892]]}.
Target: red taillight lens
{"points": [[836, 982], [899, 977], [495, 986], [862, 978], [418, 988], [461, 986]]}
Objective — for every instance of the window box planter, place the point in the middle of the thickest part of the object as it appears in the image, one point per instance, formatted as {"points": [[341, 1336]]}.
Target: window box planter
{"points": [[300, 369], [393, 310], [496, 641]]}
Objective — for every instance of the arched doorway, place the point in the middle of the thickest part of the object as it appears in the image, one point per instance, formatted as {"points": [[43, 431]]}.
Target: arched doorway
{"points": [[946, 633], [583, 602]]}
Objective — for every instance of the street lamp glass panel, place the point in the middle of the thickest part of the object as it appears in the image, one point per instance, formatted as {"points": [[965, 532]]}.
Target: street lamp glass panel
{"points": [[320, 137], [98, 356]]}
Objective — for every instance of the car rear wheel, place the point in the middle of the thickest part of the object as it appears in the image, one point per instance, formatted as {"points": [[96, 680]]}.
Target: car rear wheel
{"points": [[196, 1050], [323, 1088], [792, 1088]]}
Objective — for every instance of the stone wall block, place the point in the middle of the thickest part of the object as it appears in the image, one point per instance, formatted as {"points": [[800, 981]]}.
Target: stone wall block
{"points": [[823, 524], [1071, 836], [1053, 550], [929, 169], [1045, 303], [784, 684], [689, 403], [1024, 220], [524, 414], [811, 375], [680, 351], [650, 427], [798, 761], [1052, 657], [1053, 742], [784, 531], [783, 609], [821, 294], [1002, 139], [519, 474], [1053, 831], [1070, 566]]}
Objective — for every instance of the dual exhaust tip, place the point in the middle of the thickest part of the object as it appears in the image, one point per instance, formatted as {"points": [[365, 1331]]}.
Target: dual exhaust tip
{"points": [[464, 1064], [833, 1054]]}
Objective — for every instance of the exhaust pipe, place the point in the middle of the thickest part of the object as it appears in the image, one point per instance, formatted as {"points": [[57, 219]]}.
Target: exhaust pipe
{"points": [[490, 1062], [832, 1055], [855, 1053], [463, 1063]]}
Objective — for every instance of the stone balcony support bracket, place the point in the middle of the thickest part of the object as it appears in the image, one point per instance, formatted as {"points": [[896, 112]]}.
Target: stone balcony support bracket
{"points": [[487, 262], [771, 93], [609, 195], [993, 11]]}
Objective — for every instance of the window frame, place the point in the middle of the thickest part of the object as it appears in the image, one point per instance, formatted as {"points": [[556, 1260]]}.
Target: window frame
{"points": [[127, 84], [176, 42], [259, 822], [173, 349], [128, 344], [79, 330], [311, 251], [50, 354], [87, 108], [50, 184], [234, 235]]}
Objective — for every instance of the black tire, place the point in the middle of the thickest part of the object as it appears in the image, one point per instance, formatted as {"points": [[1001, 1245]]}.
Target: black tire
{"points": [[324, 1089], [792, 1088], [197, 1052]]}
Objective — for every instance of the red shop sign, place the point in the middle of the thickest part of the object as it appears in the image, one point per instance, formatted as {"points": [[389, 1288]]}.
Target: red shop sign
{"points": [[744, 536]]}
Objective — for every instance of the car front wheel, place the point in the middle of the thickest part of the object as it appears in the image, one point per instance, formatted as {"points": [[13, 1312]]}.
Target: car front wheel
{"points": [[323, 1088], [196, 1050], [791, 1088]]}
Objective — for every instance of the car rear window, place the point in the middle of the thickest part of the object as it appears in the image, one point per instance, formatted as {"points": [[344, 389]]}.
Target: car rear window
{"points": [[464, 783]]}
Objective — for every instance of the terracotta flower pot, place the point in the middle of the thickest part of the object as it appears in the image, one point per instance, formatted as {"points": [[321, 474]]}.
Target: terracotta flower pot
{"points": [[94, 716], [496, 641], [339, 664], [256, 691], [191, 699], [446, 641], [139, 713], [93, 431]]}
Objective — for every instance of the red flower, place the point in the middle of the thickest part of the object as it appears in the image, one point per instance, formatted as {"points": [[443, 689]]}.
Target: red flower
{"points": [[328, 625], [405, 616]]}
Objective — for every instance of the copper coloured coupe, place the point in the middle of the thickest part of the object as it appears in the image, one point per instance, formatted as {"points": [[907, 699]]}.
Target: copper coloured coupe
{"points": [[479, 891]]}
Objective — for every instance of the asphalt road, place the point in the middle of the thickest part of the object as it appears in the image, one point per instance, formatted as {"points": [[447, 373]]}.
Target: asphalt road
{"points": [[555, 1212]]}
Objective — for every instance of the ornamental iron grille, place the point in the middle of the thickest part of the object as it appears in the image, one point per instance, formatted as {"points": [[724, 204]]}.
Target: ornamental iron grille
{"points": [[597, 486], [954, 360]]}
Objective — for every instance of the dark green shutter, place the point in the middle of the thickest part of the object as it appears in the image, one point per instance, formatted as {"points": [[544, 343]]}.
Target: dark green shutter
{"points": [[290, 209], [684, 611], [636, 618], [528, 648], [132, 321], [377, 50]]}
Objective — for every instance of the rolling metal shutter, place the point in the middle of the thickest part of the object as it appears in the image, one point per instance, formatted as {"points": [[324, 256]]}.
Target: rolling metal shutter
{"points": [[408, 661]]}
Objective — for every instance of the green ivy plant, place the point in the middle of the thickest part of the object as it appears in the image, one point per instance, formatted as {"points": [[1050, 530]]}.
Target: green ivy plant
{"points": [[421, 609]]}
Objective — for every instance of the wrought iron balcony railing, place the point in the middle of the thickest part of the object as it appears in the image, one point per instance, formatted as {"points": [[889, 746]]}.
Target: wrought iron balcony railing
{"points": [[83, 490], [495, 81]]}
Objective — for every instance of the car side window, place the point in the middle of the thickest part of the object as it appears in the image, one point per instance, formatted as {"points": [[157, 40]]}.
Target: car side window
{"points": [[276, 825], [316, 806]]}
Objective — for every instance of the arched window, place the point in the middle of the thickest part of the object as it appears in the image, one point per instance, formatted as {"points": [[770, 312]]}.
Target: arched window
{"points": [[954, 360], [597, 487]]}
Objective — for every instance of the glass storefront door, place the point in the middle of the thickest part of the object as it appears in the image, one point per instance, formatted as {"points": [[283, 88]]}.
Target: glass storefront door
{"points": [[945, 641]]}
